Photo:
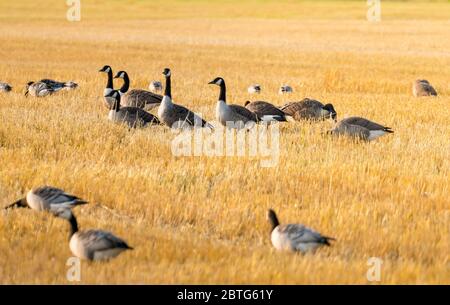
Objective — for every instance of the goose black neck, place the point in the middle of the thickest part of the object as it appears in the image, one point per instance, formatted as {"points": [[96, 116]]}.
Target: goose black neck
{"points": [[223, 92], [109, 84], [126, 83], [73, 225], [116, 104], [273, 220], [168, 89]]}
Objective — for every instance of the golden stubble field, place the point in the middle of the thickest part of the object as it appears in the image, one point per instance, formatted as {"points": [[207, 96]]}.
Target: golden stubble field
{"points": [[202, 219]]}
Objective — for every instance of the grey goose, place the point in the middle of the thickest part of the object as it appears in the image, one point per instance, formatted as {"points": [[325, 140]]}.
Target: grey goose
{"points": [[4, 87], [264, 109], [155, 86], [309, 109], [254, 89], [132, 116], [295, 237], [109, 102], [177, 116], [38, 89], [231, 115], [137, 97], [422, 87], [92, 245], [56, 85], [285, 89], [360, 128], [47, 198]]}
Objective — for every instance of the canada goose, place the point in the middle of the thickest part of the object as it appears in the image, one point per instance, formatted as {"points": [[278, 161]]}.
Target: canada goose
{"points": [[295, 237], [47, 198], [285, 89], [93, 245], [155, 86], [422, 87], [38, 89], [177, 116], [309, 109], [263, 109], [254, 89], [56, 86], [236, 116], [132, 116], [137, 98], [4, 87], [360, 128], [109, 101]]}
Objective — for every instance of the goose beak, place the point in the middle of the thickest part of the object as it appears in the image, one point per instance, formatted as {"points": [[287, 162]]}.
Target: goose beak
{"points": [[211, 83], [26, 93]]}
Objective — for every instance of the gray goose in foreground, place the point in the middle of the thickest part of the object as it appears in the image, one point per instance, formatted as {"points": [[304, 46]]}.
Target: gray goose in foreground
{"points": [[134, 117], [265, 109], [309, 109], [136, 97], [177, 116], [4, 87], [47, 198], [295, 237], [109, 101], [93, 245], [234, 116], [360, 128], [422, 87]]}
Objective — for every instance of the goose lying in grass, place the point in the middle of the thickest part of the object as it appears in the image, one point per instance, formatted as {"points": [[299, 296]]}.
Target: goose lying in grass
{"points": [[254, 89], [47, 87], [47, 198], [93, 245], [295, 237], [155, 86], [309, 109], [360, 128], [4, 87], [285, 89], [422, 87]]}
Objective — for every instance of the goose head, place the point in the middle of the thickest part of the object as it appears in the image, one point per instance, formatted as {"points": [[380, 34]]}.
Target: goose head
{"points": [[121, 74], [27, 87], [217, 81], [328, 110], [105, 69], [246, 103], [167, 72]]}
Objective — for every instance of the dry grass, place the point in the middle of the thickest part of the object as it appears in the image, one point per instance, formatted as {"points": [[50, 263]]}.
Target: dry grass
{"points": [[202, 220]]}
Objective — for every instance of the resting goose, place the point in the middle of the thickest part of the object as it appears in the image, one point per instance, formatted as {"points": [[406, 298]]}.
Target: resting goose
{"points": [[132, 116], [4, 87], [155, 86], [109, 102], [177, 116], [254, 89], [295, 237], [360, 128], [265, 109], [137, 98], [47, 198], [56, 86], [285, 89], [422, 87], [93, 245], [38, 89], [309, 109]]}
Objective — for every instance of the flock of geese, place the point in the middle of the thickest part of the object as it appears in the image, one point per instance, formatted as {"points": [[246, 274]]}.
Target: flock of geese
{"points": [[132, 108]]}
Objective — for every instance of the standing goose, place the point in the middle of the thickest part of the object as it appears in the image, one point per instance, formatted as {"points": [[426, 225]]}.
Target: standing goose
{"points": [[422, 87], [155, 86], [109, 101], [132, 116], [177, 116], [93, 245], [254, 89], [236, 116], [309, 109], [56, 86], [285, 89], [47, 198], [137, 98], [38, 89], [360, 128], [295, 237], [264, 109], [4, 87]]}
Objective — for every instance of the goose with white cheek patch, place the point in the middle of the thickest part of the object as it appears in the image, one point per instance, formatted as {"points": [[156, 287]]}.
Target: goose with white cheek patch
{"points": [[109, 102], [265, 109], [132, 116], [422, 87], [137, 97], [47, 198], [92, 245], [295, 237], [177, 116], [360, 128], [309, 109]]}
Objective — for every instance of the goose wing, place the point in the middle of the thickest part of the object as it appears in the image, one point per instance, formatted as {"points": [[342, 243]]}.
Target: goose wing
{"points": [[428, 88], [55, 85], [141, 98], [299, 234], [244, 113], [184, 114], [262, 108], [135, 116], [358, 121], [98, 240], [306, 108], [57, 197]]}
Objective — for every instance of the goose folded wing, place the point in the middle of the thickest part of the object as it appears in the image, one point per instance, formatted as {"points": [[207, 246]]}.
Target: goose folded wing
{"points": [[300, 234], [243, 112], [97, 240], [144, 95], [366, 124]]}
